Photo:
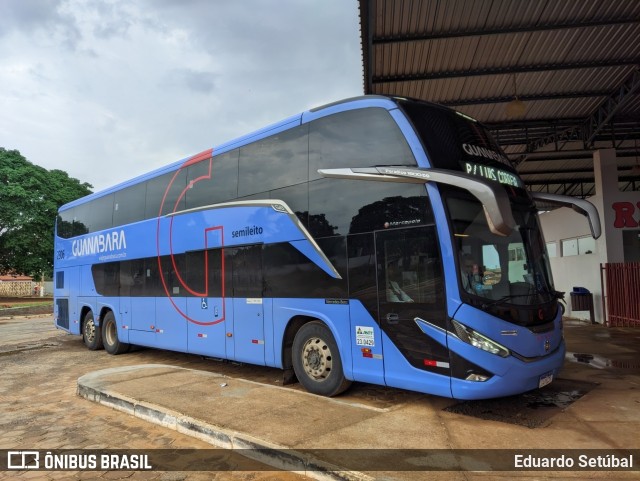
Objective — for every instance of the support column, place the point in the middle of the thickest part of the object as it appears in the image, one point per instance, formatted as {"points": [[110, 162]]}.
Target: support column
{"points": [[606, 180]]}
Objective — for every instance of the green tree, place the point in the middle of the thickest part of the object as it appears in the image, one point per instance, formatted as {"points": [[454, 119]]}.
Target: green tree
{"points": [[29, 198]]}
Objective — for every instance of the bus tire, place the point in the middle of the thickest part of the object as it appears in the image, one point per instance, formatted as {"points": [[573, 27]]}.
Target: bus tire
{"points": [[110, 336], [91, 334], [316, 360]]}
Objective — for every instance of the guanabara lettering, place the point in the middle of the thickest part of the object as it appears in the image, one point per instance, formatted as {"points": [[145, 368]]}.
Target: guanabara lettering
{"points": [[99, 244], [478, 151]]}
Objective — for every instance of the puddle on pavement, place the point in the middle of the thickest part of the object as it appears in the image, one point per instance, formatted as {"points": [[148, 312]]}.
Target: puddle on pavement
{"points": [[532, 409], [601, 362]]}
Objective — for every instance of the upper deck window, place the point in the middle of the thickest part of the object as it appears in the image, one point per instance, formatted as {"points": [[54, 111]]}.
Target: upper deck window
{"points": [[356, 138]]}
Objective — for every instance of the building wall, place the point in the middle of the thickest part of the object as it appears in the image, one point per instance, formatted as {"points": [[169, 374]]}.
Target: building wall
{"points": [[579, 270], [584, 270], [16, 288]]}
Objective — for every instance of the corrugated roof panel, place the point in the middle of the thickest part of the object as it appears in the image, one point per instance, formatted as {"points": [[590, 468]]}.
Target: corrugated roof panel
{"points": [[556, 100]]}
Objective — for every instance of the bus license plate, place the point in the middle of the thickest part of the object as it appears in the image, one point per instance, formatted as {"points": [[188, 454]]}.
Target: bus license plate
{"points": [[545, 379]]}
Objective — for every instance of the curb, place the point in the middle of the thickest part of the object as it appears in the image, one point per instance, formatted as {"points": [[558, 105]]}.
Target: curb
{"points": [[279, 457]]}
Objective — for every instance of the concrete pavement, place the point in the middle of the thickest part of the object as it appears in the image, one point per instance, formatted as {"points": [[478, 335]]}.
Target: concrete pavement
{"points": [[596, 405], [40, 410]]}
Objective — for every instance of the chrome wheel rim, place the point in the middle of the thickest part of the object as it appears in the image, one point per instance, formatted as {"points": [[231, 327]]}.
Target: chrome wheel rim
{"points": [[317, 359], [90, 330]]}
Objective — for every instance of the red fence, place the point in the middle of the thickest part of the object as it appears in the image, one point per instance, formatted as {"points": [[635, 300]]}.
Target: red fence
{"points": [[621, 288]]}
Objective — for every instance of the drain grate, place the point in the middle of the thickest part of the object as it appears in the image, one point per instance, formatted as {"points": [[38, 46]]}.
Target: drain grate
{"points": [[532, 409]]}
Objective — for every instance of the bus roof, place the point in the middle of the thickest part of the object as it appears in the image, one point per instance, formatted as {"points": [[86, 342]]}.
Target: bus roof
{"points": [[298, 119]]}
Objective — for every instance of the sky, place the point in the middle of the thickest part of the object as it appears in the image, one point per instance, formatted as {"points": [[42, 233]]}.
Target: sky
{"points": [[107, 90]]}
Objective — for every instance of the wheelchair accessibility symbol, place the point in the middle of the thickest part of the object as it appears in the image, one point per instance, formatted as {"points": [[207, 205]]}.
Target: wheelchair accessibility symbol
{"points": [[203, 304]]}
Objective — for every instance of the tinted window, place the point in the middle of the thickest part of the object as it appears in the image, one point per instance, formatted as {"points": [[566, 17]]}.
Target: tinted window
{"points": [[356, 138], [80, 226], [141, 277], [341, 207], [219, 185], [90, 217], [246, 270], [451, 139], [136, 281], [165, 189], [297, 198], [172, 282], [65, 224], [106, 278], [362, 271], [217, 276], [196, 274], [99, 213], [277, 161], [152, 283], [129, 204], [289, 273]]}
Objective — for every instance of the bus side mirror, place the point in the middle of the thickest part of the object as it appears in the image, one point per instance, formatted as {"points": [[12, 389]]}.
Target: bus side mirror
{"points": [[581, 206], [492, 196]]}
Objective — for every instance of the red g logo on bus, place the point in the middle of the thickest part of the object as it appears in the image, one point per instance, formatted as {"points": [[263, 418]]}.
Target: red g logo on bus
{"points": [[207, 154]]}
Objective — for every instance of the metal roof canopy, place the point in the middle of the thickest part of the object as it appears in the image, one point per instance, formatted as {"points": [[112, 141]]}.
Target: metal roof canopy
{"points": [[574, 67]]}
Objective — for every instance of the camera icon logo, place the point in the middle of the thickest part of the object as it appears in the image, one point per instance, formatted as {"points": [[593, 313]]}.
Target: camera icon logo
{"points": [[23, 460]]}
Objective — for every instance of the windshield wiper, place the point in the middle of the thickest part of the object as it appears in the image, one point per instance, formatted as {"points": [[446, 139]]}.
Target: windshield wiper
{"points": [[504, 298], [555, 294]]}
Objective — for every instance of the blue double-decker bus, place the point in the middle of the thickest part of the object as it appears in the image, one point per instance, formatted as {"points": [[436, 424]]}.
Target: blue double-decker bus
{"points": [[377, 239]]}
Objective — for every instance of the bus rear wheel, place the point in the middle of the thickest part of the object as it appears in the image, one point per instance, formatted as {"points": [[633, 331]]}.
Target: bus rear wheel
{"points": [[316, 360], [91, 334], [110, 336]]}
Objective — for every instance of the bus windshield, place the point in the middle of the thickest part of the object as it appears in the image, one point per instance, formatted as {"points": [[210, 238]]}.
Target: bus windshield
{"points": [[495, 269]]}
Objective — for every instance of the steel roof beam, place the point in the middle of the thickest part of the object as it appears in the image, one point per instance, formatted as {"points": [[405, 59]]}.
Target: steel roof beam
{"points": [[414, 37], [575, 154], [528, 98], [556, 123], [585, 180], [586, 170], [511, 139], [611, 105], [505, 70], [592, 127]]}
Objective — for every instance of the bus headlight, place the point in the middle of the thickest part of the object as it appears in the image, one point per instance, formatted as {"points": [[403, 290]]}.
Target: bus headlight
{"points": [[476, 339]]}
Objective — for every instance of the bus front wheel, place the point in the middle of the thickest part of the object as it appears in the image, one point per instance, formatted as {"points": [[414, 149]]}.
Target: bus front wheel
{"points": [[316, 360], [110, 335], [91, 334]]}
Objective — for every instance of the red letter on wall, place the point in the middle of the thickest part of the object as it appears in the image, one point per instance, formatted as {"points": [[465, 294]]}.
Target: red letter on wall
{"points": [[624, 215]]}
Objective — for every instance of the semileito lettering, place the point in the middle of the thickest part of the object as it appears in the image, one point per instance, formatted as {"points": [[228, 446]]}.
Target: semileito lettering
{"points": [[247, 231], [98, 244]]}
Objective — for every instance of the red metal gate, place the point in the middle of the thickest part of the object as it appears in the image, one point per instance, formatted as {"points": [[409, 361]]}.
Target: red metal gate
{"points": [[621, 294]]}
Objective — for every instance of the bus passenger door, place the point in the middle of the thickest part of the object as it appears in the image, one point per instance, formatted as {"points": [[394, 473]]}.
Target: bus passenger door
{"points": [[412, 312], [209, 310], [248, 312]]}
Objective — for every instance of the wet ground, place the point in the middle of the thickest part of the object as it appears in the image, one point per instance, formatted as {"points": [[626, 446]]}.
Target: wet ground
{"points": [[594, 404], [534, 409]]}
